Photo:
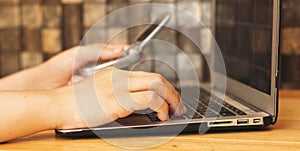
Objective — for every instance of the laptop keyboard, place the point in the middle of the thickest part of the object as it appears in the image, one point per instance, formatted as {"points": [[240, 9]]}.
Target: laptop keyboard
{"points": [[205, 107]]}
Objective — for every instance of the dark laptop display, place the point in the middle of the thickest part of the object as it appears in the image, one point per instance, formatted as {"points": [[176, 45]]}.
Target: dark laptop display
{"points": [[244, 35]]}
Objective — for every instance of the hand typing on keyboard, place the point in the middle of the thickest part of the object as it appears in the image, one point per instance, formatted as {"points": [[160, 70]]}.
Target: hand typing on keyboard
{"points": [[126, 92]]}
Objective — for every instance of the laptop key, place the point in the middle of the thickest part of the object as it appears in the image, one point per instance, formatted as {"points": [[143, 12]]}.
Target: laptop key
{"points": [[210, 114], [241, 113], [196, 116], [153, 117], [234, 109], [201, 108], [189, 114], [225, 112], [205, 101], [214, 106], [191, 101]]}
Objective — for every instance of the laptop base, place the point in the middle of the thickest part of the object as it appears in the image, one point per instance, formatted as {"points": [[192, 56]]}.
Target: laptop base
{"points": [[163, 130]]}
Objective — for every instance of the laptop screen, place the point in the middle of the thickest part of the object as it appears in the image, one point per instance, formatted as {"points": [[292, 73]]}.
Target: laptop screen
{"points": [[244, 35]]}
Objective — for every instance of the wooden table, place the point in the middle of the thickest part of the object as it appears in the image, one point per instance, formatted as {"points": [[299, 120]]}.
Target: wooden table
{"points": [[285, 135]]}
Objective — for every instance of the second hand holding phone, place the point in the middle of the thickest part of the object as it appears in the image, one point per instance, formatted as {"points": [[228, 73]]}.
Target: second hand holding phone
{"points": [[134, 53]]}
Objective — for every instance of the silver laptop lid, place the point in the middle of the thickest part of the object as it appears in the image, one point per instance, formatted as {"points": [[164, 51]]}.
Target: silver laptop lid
{"points": [[247, 32]]}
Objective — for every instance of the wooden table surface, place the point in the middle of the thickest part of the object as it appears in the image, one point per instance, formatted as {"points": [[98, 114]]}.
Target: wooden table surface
{"points": [[285, 135]]}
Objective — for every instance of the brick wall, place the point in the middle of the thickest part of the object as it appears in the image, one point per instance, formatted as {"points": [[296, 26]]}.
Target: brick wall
{"points": [[31, 31], [290, 44]]}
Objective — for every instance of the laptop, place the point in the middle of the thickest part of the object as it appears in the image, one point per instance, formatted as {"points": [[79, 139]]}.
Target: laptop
{"points": [[249, 45]]}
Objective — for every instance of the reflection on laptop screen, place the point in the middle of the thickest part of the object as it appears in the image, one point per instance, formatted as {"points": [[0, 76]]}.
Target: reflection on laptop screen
{"points": [[244, 35]]}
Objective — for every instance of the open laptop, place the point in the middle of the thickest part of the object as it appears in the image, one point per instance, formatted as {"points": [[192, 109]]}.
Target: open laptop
{"points": [[247, 33]]}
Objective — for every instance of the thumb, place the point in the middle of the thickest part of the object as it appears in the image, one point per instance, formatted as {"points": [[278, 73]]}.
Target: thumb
{"points": [[108, 54]]}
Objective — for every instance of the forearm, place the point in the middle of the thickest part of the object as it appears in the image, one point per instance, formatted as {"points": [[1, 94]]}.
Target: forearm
{"points": [[26, 112], [34, 78]]}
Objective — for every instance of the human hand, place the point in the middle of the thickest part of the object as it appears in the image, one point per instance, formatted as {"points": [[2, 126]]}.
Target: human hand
{"points": [[59, 70], [119, 93]]}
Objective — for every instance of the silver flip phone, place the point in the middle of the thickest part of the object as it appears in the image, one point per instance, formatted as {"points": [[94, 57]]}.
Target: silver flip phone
{"points": [[133, 54]]}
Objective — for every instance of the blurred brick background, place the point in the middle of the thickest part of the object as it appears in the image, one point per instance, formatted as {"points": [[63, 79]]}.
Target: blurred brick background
{"points": [[290, 44], [31, 31]]}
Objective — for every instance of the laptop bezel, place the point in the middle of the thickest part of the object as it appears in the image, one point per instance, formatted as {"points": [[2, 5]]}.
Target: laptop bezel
{"points": [[252, 96]]}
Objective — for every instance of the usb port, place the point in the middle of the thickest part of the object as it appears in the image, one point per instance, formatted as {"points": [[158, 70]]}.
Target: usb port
{"points": [[243, 121], [256, 120]]}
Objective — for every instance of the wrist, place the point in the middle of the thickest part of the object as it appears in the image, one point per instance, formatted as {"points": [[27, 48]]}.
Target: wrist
{"points": [[55, 107], [43, 77], [67, 114], [28, 79]]}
